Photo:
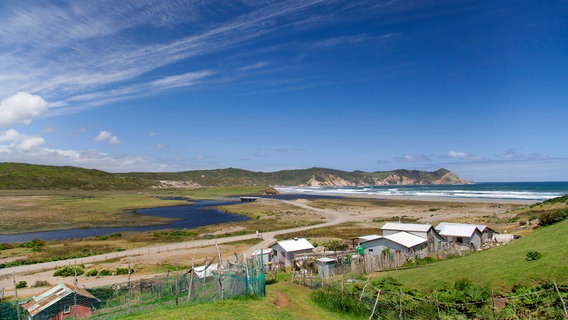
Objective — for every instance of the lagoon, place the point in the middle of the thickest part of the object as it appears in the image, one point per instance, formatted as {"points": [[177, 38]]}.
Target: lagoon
{"points": [[198, 214]]}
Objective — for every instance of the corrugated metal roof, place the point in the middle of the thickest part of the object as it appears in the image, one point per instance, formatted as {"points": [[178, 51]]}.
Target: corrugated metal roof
{"points": [[52, 296], [457, 229], [264, 251], [406, 239], [403, 238], [295, 244], [409, 227], [369, 237]]}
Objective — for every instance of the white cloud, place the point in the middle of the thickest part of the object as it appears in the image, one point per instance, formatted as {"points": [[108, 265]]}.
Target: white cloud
{"points": [[21, 108], [13, 140], [463, 155], [108, 137]]}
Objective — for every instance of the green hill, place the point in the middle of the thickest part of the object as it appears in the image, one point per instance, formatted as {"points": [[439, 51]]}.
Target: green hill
{"points": [[503, 266], [28, 176]]}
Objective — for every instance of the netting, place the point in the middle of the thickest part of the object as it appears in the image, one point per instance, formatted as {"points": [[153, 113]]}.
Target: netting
{"points": [[224, 281]]}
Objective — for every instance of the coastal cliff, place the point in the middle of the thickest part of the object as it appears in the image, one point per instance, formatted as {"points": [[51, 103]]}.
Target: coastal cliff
{"points": [[396, 177]]}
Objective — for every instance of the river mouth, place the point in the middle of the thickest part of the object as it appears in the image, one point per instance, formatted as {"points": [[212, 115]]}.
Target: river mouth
{"points": [[190, 216]]}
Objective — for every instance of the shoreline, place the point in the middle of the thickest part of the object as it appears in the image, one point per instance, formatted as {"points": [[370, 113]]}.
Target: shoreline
{"points": [[418, 198]]}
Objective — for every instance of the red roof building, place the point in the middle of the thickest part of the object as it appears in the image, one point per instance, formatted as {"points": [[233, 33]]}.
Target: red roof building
{"points": [[61, 301]]}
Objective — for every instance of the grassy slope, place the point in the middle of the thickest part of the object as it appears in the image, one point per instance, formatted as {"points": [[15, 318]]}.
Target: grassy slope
{"points": [[300, 307], [500, 267], [26, 176]]}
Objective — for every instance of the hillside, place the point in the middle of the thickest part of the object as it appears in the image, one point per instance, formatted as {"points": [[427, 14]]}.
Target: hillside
{"points": [[27, 176], [503, 266]]}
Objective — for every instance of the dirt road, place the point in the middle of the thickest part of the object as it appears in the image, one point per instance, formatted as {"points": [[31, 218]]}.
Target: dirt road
{"points": [[44, 271]]}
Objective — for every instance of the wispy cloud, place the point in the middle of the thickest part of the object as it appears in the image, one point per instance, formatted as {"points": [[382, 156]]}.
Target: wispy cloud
{"points": [[413, 158], [463, 156], [84, 54]]}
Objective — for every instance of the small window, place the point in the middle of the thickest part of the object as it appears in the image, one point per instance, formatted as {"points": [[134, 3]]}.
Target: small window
{"points": [[370, 250], [67, 309]]}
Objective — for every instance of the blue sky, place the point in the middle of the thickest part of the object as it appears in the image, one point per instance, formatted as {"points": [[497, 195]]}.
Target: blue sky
{"points": [[477, 87]]}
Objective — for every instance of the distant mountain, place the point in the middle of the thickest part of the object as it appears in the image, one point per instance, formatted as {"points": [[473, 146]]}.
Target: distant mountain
{"points": [[26, 176]]}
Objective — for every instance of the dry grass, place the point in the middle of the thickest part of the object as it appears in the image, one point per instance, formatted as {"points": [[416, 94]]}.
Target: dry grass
{"points": [[39, 211]]}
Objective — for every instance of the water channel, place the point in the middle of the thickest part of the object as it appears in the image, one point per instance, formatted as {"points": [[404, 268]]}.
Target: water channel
{"points": [[198, 214]]}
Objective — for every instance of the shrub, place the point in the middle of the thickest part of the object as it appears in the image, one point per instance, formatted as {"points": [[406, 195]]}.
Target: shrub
{"points": [[68, 271], [120, 271], [92, 272], [21, 284], [41, 283], [335, 245], [105, 272], [533, 255], [33, 244], [4, 246], [548, 218]]}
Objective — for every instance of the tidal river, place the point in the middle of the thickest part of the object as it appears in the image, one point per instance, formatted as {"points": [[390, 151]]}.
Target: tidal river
{"points": [[196, 215]]}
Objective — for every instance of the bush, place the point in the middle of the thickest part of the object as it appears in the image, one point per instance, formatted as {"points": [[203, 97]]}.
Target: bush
{"points": [[105, 272], [120, 271], [5, 246], [33, 244], [21, 284], [335, 245], [41, 283], [91, 273], [68, 271], [533, 255], [548, 218]]}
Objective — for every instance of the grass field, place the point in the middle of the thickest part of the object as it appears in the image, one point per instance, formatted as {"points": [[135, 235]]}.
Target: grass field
{"points": [[500, 267], [283, 301]]}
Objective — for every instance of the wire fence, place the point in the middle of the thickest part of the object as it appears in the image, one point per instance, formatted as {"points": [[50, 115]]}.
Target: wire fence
{"points": [[214, 281], [470, 302]]}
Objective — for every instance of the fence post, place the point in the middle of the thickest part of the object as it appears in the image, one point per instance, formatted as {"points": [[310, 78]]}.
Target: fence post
{"points": [[16, 292], [129, 289], [561, 300], [493, 304], [375, 306], [400, 312], [437, 304], [364, 287], [75, 296], [190, 280]]}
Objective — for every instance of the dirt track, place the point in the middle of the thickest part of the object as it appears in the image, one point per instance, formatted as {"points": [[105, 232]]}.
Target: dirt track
{"points": [[44, 271]]}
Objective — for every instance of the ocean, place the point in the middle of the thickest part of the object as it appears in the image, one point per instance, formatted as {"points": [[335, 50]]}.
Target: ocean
{"points": [[527, 191]]}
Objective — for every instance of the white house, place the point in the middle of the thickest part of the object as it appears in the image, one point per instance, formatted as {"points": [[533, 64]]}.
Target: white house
{"points": [[425, 231], [400, 241], [461, 233], [265, 254], [284, 251]]}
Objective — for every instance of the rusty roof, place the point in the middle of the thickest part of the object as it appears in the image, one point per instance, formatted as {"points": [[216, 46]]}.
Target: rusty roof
{"points": [[52, 296]]}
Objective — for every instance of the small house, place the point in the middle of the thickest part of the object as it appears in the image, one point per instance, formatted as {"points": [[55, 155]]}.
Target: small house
{"points": [[326, 266], [358, 240], [61, 301], [398, 242], [265, 255], [284, 251], [426, 231], [461, 233]]}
